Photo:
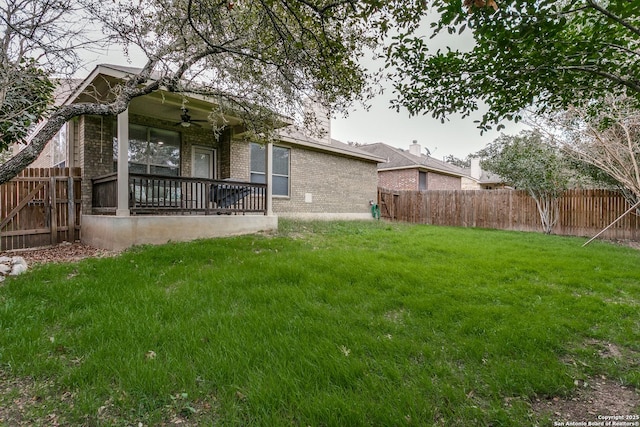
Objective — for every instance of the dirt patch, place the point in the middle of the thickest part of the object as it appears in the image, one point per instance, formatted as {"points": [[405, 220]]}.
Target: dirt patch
{"points": [[597, 400], [26, 402], [594, 402]]}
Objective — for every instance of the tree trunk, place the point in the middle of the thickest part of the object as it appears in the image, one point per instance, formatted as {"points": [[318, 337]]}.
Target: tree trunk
{"points": [[548, 209]]}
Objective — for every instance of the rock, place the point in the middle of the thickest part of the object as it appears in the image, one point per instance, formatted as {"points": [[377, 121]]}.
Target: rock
{"points": [[1, 278], [17, 269], [12, 266], [19, 260]]}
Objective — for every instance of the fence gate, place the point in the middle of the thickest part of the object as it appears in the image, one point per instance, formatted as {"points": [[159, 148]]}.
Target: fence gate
{"points": [[40, 207]]}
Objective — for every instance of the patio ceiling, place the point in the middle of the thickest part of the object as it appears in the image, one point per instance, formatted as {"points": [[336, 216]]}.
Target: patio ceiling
{"points": [[161, 105], [168, 106]]}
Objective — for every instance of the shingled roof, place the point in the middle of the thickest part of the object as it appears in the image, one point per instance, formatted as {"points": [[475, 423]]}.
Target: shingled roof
{"points": [[397, 158]]}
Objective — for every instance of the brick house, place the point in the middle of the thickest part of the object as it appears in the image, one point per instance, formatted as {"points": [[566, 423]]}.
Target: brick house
{"points": [[180, 178], [414, 171]]}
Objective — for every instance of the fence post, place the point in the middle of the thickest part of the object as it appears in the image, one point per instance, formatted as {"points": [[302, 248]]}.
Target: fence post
{"points": [[71, 208], [53, 209], [511, 213]]}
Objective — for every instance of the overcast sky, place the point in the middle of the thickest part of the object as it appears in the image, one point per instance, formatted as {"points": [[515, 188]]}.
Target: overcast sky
{"points": [[381, 124]]}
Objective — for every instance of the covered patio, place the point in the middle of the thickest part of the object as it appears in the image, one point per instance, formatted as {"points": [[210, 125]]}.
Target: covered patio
{"points": [[163, 174]]}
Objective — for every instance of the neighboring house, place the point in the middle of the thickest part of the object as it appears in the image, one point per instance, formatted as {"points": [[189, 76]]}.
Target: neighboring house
{"points": [[478, 179], [180, 178], [412, 170]]}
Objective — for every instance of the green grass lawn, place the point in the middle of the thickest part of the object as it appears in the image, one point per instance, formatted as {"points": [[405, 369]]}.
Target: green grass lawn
{"points": [[337, 324]]}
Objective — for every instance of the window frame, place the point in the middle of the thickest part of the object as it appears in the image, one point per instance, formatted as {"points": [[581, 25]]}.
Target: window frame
{"points": [[255, 173], [423, 181], [149, 165], [60, 146], [213, 161]]}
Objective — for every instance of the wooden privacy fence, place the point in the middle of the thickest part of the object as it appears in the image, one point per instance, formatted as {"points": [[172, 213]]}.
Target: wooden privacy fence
{"points": [[582, 212], [40, 207]]}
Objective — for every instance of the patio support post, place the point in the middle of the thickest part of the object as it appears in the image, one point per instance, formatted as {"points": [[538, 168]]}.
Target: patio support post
{"points": [[269, 177], [123, 164]]}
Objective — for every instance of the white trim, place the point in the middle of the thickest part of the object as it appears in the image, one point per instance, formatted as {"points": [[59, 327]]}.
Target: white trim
{"points": [[100, 69]]}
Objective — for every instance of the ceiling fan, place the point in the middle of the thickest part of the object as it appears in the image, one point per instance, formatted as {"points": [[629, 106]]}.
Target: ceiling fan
{"points": [[186, 120]]}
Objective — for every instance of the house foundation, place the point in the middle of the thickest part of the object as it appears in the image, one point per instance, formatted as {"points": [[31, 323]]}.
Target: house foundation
{"points": [[118, 233]]}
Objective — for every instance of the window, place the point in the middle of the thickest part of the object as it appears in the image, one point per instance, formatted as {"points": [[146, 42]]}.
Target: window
{"points": [[153, 151], [60, 148], [422, 181], [280, 167]]}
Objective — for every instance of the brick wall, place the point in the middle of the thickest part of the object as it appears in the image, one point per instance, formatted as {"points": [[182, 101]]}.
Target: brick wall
{"points": [[408, 179], [402, 179], [240, 160], [223, 155], [469, 184], [95, 149], [323, 183], [320, 183], [436, 181]]}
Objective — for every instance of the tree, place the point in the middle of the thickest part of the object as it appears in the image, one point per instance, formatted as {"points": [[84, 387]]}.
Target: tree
{"points": [[604, 135], [25, 95], [545, 54], [259, 59], [527, 162], [36, 39], [463, 163], [4, 156]]}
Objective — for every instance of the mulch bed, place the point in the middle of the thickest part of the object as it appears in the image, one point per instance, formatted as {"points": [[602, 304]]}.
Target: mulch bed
{"points": [[64, 252]]}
